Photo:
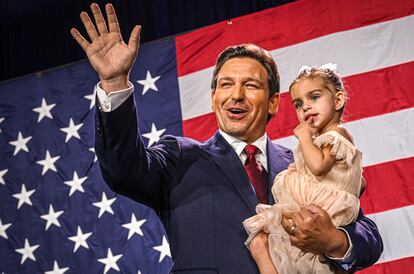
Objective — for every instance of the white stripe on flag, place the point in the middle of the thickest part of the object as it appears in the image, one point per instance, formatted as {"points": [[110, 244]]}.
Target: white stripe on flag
{"points": [[355, 51], [381, 138], [396, 229]]}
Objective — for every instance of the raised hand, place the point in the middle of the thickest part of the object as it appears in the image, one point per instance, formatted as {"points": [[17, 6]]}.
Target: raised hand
{"points": [[110, 57]]}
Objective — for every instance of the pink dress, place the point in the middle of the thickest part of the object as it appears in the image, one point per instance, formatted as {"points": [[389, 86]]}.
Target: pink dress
{"points": [[336, 192]]}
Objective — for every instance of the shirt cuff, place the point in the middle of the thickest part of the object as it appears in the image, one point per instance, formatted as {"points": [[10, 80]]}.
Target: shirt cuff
{"points": [[346, 261], [110, 102]]}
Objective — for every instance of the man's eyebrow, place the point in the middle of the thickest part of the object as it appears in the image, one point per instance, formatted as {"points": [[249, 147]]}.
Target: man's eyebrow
{"points": [[253, 79], [225, 79], [247, 79]]}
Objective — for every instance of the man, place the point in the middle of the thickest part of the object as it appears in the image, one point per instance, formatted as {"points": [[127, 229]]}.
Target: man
{"points": [[203, 191]]}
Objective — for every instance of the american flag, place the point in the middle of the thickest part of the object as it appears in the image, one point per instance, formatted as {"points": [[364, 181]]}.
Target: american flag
{"points": [[58, 216]]}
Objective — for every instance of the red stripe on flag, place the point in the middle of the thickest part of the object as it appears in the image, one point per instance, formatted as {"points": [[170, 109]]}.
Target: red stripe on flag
{"points": [[389, 186], [200, 128], [370, 95], [402, 266], [283, 26]]}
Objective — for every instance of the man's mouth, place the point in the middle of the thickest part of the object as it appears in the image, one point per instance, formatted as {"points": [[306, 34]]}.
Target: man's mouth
{"points": [[236, 113]]}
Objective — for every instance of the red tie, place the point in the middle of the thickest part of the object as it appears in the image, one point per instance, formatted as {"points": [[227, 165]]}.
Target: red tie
{"points": [[257, 174]]}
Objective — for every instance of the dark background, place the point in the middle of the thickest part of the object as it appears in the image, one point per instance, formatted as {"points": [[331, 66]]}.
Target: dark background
{"points": [[34, 34]]}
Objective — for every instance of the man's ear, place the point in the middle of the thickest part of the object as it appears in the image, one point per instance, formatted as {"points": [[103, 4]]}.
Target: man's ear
{"points": [[212, 97], [274, 103], [339, 100]]}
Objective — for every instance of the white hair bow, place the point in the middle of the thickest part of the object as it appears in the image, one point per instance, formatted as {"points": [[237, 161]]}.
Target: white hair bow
{"points": [[329, 66]]}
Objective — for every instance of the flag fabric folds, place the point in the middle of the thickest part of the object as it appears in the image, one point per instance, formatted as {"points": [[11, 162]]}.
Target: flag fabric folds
{"points": [[57, 214]]}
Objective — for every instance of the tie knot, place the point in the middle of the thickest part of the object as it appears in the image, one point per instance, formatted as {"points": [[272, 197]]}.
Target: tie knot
{"points": [[251, 150]]}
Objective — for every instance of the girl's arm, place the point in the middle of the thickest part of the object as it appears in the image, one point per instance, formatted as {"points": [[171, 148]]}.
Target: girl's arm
{"points": [[319, 161]]}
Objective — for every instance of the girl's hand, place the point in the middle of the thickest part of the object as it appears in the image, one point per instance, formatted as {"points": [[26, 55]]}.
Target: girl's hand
{"points": [[304, 130]]}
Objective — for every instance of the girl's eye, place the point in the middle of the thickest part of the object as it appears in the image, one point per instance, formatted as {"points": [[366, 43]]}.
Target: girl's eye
{"points": [[297, 105], [315, 97]]}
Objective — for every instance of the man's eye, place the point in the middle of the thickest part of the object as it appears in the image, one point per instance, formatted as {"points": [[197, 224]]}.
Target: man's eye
{"points": [[250, 85], [297, 105], [225, 84]]}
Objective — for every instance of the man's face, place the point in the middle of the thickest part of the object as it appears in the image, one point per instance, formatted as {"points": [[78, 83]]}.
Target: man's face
{"points": [[241, 100]]}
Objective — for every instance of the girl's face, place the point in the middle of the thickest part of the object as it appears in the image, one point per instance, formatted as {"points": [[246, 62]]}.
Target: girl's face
{"points": [[316, 104]]}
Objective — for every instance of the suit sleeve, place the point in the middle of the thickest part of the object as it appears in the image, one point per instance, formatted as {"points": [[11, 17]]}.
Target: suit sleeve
{"points": [[367, 243], [127, 166]]}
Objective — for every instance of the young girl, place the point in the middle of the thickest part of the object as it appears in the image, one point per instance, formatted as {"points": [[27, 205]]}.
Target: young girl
{"points": [[327, 172]]}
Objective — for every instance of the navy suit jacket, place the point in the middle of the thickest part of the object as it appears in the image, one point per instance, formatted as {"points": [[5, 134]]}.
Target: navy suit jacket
{"points": [[200, 191]]}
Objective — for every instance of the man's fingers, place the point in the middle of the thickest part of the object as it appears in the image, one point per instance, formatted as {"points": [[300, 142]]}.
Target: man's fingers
{"points": [[112, 19], [79, 38], [90, 28], [313, 208], [99, 19], [287, 223], [297, 219], [133, 42], [287, 215]]}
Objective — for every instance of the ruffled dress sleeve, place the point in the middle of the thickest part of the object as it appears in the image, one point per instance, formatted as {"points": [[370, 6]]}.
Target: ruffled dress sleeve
{"points": [[342, 149], [347, 173]]}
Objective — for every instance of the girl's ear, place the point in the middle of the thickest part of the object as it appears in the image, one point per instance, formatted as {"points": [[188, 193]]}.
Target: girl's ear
{"points": [[339, 100]]}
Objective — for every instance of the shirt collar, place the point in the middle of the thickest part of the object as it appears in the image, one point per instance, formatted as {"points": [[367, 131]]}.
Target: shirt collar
{"points": [[239, 145]]}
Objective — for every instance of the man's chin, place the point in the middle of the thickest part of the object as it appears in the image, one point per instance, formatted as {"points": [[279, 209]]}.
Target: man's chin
{"points": [[235, 131]]}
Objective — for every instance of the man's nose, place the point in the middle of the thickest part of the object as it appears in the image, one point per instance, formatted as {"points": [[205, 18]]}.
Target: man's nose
{"points": [[238, 93]]}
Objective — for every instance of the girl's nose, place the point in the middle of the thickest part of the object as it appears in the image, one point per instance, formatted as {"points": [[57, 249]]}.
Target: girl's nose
{"points": [[306, 107]]}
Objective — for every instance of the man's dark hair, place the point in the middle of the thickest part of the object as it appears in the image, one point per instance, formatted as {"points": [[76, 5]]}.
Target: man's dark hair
{"points": [[254, 52]]}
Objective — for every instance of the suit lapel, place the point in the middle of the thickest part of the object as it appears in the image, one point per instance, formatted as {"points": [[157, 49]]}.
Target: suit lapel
{"points": [[229, 163]]}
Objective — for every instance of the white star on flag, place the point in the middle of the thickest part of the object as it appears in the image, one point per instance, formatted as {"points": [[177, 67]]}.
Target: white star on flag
{"points": [[149, 82], [91, 97], [24, 197], [154, 135], [57, 270], [44, 110], [76, 183], [72, 130], [110, 261], [20, 143], [1, 120], [92, 149], [48, 162], [104, 205], [2, 173], [52, 217], [164, 249], [80, 239], [134, 226], [27, 251], [3, 228]]}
